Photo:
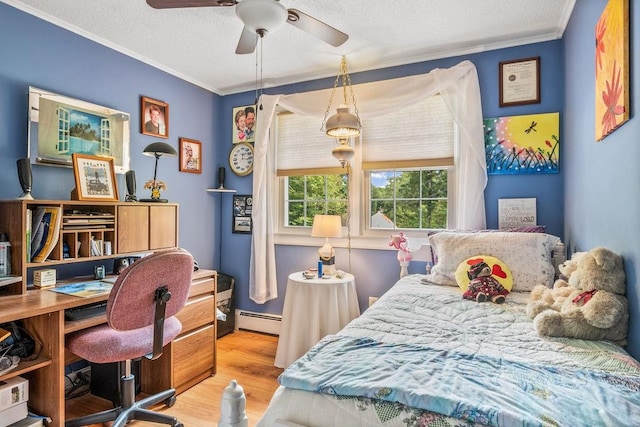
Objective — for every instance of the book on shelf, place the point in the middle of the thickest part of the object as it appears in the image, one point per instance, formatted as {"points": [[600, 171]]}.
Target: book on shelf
{"points": [[27, 240], [96, 247], [50, 225]]}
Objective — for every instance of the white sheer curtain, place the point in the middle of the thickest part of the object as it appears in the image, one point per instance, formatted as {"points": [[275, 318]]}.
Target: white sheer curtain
{"points": [[460, 90]]}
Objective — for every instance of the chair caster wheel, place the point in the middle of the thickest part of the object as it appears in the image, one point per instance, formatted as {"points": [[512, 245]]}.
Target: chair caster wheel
{"points": [[179, 425], [169, 403]]}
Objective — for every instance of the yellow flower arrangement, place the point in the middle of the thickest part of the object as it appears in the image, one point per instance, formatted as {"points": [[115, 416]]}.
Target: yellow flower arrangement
{"points": [[156, 187]]}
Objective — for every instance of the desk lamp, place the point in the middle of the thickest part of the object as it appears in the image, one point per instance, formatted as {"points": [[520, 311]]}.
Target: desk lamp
{"points": [[157, 149], [327, 226]]}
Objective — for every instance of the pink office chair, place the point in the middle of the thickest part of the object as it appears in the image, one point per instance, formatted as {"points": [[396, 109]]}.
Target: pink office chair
{"points": [[140, 321]]}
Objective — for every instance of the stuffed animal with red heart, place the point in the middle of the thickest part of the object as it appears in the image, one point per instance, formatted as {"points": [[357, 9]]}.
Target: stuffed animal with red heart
{"points": [[483, 286]]}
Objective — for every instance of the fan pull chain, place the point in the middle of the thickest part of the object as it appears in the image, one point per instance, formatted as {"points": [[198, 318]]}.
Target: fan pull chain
{"points": [[259, 81], [261, 78]]}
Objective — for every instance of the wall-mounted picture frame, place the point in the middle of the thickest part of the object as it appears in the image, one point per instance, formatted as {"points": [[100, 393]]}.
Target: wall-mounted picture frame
{"points": [[612, 88], [519, 82], [154, 117], [527, 144], [95, 178], [60, 126], [242, 208], [244, 124], [190, 155]]}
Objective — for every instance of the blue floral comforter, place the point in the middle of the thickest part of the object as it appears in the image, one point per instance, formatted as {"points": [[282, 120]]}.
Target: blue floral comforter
{"points": [[425, 347]]}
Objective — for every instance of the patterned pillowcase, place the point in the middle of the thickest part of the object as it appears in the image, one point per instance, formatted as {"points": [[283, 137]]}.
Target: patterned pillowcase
{"points": [[529, 229], [528, 255]]}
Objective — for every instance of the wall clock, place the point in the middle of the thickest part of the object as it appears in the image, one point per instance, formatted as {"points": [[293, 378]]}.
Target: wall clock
{"points": [[241, 159]]}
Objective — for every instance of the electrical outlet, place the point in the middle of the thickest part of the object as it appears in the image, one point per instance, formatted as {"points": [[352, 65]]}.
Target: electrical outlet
{"points": [[372, 300]]}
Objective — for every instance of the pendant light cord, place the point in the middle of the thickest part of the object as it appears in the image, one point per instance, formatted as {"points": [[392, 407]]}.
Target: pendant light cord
{"points": [[349, 185]]}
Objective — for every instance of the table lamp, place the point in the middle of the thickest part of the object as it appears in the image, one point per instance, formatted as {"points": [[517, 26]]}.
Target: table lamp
{"points": [[157, 149], [327, 226]]}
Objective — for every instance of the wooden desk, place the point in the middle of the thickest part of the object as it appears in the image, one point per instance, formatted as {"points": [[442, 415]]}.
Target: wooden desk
{"points": [[42, 315]]}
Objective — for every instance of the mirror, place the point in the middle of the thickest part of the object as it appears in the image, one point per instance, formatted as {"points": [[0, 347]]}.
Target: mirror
{"points": [[60, 126]]}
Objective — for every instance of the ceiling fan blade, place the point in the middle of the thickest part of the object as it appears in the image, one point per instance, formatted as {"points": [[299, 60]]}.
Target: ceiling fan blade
{"points": [[247, 43], [317, 28], [171, 4]]}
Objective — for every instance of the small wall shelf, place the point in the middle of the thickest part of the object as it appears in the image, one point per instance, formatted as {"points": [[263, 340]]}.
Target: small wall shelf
{"points": [[220, 190]]}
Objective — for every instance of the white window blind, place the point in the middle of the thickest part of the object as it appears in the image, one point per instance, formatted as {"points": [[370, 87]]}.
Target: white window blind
{"points": [[420, 135], [302, 148]]}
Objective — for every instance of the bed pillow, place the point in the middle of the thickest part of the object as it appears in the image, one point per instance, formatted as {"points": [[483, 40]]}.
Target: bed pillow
{"points": [[527, 254], [500, 271], [523, 229]]}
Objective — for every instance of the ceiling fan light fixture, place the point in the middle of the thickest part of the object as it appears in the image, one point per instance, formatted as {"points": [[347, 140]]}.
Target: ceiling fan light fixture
{"points": [[265, 15]]}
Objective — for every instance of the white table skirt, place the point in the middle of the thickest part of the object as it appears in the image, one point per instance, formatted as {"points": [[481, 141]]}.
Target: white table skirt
{"points": [[312, 309]]}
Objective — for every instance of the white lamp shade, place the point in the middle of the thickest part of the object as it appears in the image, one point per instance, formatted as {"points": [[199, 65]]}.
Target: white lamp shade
{"points": [[265, 15], [343, 124], [326, 226]]}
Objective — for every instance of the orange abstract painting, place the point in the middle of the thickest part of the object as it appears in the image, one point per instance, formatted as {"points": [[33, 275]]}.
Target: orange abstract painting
{"points": [[612, 68]]}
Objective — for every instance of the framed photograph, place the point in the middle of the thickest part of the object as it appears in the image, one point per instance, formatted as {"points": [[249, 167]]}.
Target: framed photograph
{"points": [[154, 117], [95, 178], [244, 124], [190, 155], [242, 208], [520, 82]]}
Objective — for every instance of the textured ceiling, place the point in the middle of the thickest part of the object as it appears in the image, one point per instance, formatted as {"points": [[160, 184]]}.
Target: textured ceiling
{"points": [[198, 44]]}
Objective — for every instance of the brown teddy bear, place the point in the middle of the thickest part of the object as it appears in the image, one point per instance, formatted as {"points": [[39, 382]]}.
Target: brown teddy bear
{"points": [[483, 286], [542, 297], [597, 308]]}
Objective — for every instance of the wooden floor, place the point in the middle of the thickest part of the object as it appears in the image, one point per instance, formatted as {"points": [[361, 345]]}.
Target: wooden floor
{"points": [[244, 356]]}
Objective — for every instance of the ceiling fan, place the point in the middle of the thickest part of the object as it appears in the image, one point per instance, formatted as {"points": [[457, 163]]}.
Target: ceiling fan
{"points": [[261, 17]]}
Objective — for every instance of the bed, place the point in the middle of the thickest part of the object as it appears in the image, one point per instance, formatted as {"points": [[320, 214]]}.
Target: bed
{"points": [[422, 355]]}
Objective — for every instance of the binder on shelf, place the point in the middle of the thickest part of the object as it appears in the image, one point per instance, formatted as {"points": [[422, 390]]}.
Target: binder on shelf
{"points": [[51, 230], [37, 230]]}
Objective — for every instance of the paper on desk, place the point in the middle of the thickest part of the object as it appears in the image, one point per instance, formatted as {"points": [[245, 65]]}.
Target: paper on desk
{"points": [[84, 289]]}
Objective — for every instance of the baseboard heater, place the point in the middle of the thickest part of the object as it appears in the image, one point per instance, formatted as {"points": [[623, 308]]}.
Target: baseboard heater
{"points": [[258, 322]]}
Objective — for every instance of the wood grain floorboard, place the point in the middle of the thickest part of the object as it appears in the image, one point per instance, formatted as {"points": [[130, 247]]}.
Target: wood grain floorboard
{"points": [[246, 357]]}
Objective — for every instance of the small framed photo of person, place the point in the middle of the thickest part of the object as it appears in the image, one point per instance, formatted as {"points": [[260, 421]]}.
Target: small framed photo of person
{"points": [[154, 118], [244, 124], [190, 155]]}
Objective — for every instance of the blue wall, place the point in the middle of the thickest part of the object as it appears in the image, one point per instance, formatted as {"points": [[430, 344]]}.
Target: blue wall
{"points": [[36, 53], [602, 200], [376, 271]]}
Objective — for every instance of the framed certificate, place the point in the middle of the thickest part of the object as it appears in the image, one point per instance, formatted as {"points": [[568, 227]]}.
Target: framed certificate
{"points": [[520, 82]]}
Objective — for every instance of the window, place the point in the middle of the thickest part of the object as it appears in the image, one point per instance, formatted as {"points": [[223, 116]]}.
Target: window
{"points": [[310, 195], [411, 199], [405, 159]]}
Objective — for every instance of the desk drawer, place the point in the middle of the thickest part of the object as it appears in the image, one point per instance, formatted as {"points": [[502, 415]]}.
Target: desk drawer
{"points": [[193, 356], [197, 312], [202, 286]]}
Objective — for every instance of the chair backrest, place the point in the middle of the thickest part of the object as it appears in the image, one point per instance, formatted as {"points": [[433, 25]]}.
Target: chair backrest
{"points": [[131, 303]]}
